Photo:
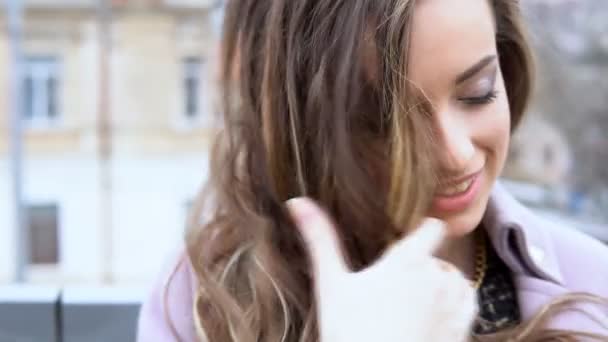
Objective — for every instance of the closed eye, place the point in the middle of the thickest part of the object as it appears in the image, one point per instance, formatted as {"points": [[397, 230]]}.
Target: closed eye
{"points": [[480, 100]]}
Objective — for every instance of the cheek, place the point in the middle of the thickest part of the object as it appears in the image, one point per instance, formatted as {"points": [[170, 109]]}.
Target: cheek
{"points": [[493, 131]]}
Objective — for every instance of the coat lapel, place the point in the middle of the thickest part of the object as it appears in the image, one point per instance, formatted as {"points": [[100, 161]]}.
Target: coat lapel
{"points": [[533, 293], [522, 242], [519, 239]]}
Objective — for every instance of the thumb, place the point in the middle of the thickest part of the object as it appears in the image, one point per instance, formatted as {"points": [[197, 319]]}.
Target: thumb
{"points": [[420, 243], [319, 236]]}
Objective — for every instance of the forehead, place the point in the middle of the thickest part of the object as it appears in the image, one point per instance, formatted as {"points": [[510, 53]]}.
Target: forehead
{"points": [[449, 36]]}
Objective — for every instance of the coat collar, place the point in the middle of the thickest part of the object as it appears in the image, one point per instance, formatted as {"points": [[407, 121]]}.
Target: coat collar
{"points": [[520, 238]]}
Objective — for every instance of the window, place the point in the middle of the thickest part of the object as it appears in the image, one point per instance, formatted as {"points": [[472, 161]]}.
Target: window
{"points": [[41, 90], [192, 87], [43, 224]]}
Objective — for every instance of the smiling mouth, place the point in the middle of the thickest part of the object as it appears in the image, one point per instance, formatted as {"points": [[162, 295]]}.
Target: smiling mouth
{"points": [[455, 189]]}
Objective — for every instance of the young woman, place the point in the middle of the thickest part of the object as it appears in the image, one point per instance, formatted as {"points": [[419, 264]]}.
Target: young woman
{"points": [[384, 113]]}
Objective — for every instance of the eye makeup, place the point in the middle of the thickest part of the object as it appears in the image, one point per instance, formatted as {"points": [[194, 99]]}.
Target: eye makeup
{"points": [[480, 90]]}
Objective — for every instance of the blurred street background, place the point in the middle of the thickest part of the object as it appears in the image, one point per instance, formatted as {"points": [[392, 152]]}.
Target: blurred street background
{"points": [[105, 144]]}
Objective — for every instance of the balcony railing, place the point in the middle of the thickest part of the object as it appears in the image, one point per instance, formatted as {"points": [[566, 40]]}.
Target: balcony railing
{"points": [[68, 315]]}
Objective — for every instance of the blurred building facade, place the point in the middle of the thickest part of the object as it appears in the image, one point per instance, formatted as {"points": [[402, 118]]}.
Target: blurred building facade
{"points": [[116, 116], [539, 153], [569, 107]]}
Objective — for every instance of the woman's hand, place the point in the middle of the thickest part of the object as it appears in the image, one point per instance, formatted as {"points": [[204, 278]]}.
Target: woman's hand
{"points": [[408, 295]]}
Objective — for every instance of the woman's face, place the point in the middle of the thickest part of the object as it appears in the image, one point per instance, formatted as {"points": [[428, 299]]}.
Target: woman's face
{"points": [[454, 62]]}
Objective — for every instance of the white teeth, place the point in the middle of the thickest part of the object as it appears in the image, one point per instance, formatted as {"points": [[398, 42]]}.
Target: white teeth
{"points": [[456, 189]]}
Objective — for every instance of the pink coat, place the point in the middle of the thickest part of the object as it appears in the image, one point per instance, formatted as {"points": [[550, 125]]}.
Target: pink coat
{"points": [[547, 261]]}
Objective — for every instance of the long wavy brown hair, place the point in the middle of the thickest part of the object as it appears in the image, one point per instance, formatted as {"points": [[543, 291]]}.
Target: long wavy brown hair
{"points": [[316, 102]]}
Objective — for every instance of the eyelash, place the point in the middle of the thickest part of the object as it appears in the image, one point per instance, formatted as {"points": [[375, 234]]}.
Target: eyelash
{"points": [[481, 100]]}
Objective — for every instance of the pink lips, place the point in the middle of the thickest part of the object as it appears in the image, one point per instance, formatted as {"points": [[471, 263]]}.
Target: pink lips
{"points": [[460, 201]]}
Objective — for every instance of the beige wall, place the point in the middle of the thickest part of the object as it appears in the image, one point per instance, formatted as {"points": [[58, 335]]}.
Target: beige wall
{"points": [[145, 70], [145, 76], [146, 84]]}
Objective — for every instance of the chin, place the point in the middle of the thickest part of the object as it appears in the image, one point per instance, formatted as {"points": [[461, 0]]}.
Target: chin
{"points": [[463, 223]]}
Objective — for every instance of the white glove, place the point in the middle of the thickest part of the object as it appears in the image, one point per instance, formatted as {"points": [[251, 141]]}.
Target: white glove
{"points": [[408, 295]]}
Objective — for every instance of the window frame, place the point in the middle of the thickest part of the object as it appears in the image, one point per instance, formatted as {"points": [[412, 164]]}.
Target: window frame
{"points": [[38, 101]]}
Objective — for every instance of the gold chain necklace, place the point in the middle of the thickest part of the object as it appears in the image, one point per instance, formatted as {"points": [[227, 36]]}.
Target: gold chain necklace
{"points": [[480, 260]]}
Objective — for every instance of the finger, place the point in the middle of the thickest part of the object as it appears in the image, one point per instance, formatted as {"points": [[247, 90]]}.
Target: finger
{"points": [[319, 235], [421, 242], [456, 304], [427, 238], [446, 266], [458, 301]]}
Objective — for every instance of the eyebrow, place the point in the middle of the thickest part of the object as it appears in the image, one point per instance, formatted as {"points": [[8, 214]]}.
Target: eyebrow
{"points": [[475, 69]]}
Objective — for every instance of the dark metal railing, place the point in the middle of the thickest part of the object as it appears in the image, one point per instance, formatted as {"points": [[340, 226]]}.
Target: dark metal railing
{"points": [[34, 314]]}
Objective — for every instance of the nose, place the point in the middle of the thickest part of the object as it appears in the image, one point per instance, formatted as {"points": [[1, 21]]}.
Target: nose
{"points": [[454, 144]]}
